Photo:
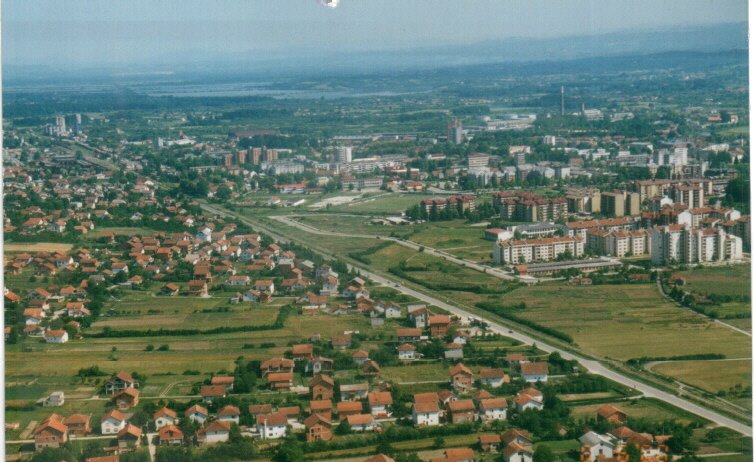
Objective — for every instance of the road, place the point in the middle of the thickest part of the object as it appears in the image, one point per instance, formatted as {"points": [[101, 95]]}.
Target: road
{"points": [[592, 366]]}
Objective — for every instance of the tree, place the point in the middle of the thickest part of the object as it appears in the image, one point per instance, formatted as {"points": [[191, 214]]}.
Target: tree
{"points": [[543, 453], [344, 428], [289, 451], [633, 452]]}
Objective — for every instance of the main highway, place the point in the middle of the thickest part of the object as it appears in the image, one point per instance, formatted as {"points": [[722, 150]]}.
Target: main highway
{"points": [[594, 367]]}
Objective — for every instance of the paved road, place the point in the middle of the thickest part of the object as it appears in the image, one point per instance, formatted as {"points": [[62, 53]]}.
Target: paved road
{"points": [[592, 366]]}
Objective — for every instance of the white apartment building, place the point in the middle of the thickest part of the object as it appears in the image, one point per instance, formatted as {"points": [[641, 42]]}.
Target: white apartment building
{"points": [[683, 244], [514, 251]]}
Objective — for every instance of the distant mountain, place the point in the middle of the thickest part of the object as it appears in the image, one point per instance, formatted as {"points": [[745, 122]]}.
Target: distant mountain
{"points": [[197, 66]]}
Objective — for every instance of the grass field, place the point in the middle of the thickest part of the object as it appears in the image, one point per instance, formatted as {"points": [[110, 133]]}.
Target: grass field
{"points": [[639, 408], [712, 376], [625, 321], [142, 311], [119, 231], [386, 203], [724, 280]]}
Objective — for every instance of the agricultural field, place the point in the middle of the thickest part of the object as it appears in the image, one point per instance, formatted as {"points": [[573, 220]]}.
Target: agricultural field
{"points": [[625, 321], [142, 311], [712, 376], [37, 247]]}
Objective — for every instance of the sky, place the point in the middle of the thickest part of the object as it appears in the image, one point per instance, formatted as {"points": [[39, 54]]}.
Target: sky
{"points": [[92, 32]]}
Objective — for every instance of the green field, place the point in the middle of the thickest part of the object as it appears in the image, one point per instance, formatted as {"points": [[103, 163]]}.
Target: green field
{"points": [[711, 376], [386, 203], [724, 280], [733, 281], [639, 408], [142, 311], [625, 321]]}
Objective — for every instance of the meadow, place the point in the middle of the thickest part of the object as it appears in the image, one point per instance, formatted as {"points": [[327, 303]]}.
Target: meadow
{"points": [[712, 376]]}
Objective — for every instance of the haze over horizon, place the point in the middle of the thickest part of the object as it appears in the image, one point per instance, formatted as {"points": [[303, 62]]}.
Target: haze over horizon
{"points": [[100, 33]]}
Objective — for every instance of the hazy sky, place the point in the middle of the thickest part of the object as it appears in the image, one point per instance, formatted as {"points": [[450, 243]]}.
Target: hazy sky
{"points": [[86, 32]]}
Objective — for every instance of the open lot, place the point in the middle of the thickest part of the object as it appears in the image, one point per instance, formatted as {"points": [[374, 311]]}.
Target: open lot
{"points": [[727, 281]]}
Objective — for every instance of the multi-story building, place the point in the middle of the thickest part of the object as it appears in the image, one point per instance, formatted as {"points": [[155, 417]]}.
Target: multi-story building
{"points": [[618, 243], [620, 203], [580, 228], [683, 244], [533, 208], [584, 200], [455, 132], [514, 251], [462, 204], [478, 160], [648, 189], [690, 195], [345, 154]]}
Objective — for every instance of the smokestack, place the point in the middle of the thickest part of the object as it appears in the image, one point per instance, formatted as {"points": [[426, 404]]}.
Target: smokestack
{"points": [[562, 100]]}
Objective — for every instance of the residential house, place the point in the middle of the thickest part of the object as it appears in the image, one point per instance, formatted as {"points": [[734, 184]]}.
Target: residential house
{"points": [[56, 336], [407, 352], [493, 378], [318, 428], [302, 352], [347, 408], [493, 409], [127, 398], [596, 447], [170, 435], [129, 437], [51, 433], [370, 369], [490, 443], [164, 417], [322, 407], [426, 413], [461, 377], [354, 392], [113, 422], [280, 380], [438, 325], [361, 422], [380, 403], [225, 381], [534, 372], [214, 432], [78, 424], [212, 392], [462, 411], [611, 414], [197, 413], [453, 351], [322, 387], [229, 414]]}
